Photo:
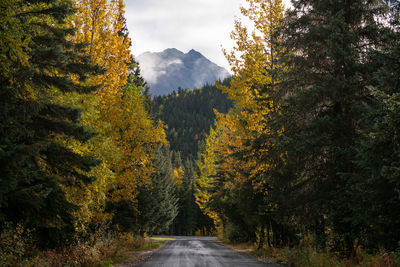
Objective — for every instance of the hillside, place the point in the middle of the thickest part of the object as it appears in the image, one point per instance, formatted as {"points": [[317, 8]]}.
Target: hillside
{"points": [[189, 115]]}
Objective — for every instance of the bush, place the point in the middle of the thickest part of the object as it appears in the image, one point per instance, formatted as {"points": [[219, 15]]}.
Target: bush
{"points": [[235, 235], [99, 248], [15, 246]]}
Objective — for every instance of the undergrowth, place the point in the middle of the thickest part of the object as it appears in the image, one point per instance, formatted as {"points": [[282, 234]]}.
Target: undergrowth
{"points": [[99, 249], [310, 257], [307, 256]]}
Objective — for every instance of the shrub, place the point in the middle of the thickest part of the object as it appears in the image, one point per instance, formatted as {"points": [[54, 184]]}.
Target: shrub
{"points": [[15, 246]]}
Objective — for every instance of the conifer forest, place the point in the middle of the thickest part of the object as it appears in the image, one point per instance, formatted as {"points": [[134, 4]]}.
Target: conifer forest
{"points": [[296, 155]]}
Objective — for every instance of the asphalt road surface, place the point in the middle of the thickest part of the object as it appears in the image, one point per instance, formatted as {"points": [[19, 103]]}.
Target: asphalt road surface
{"points": [[200, 252]]}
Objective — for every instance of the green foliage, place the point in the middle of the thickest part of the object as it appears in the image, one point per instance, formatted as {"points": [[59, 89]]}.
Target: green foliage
{"points": [[33, 161], [311, 147], [236, 234], [65, 151], [324, 91], [308, 157], [15, 243], [190, 218], [375, 186], [157, 202], [189, 115]]}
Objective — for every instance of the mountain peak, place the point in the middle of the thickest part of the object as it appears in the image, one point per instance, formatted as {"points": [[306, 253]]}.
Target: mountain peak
{"points": [[192, 51], [167, 70], [172, 51]]}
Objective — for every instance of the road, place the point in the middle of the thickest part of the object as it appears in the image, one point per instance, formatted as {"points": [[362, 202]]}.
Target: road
{"points": [[200, 252]]}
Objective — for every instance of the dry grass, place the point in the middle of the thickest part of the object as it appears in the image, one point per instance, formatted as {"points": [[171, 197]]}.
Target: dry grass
{"points": [[99, 249], [311, 258]]}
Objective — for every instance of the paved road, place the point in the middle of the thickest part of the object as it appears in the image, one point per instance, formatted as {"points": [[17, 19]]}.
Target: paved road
{"points": [[200, 252]]}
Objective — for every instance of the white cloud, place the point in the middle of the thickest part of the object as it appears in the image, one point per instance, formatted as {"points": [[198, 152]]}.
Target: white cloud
{"points": [[174, 62], [147, 69], [203, 25], [152, 67]]}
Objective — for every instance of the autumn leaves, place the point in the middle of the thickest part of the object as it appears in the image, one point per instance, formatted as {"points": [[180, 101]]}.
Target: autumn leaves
{"points": [[127, 136]]}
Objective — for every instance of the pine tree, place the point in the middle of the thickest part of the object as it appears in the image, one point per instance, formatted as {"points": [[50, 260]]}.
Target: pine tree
{"points": [[34, 163]]}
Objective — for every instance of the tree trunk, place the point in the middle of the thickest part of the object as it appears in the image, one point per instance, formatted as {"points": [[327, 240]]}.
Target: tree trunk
{"points": [[262, 236], [268, 233]]}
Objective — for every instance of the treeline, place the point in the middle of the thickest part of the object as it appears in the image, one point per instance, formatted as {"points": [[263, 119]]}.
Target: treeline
{"points": [[189, 115], [79, 149], [311, 147]]}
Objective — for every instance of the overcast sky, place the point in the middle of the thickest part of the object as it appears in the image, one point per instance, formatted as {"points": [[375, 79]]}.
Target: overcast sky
{"points": [[203, 25]]}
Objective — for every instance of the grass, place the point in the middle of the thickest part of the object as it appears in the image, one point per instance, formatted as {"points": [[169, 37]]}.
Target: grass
{"points": [[148, 244], [151, 244], [161, 238], [311, 258], [102, 248]]}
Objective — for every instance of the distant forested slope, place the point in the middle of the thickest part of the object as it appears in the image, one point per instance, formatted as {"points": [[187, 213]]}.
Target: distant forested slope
{"points": [[189, 115]]}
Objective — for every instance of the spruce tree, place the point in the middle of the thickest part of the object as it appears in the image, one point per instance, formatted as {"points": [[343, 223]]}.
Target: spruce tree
{"points": [[187, 206], [327, 46], [189, 115], [375, 186], [157, 202], [33, 160]]}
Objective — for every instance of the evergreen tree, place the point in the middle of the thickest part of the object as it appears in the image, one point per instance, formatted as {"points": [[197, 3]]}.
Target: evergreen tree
{"points": [[185, 221], [158, 204], [327, 45], [375, 186], [189, 115], [34, 163]]}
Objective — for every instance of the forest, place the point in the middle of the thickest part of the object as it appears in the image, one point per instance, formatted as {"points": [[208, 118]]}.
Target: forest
{"points": [[298, 153], [189, 115]]}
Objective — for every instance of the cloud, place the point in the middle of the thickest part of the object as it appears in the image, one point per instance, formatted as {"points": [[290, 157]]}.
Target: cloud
{"points": [[203, 25], [173, 62], [152, 66], [147, 70]]}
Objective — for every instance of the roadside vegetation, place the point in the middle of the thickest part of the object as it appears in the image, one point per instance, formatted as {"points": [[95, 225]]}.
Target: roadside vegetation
{"points": [[306, 255], [103, 248]]}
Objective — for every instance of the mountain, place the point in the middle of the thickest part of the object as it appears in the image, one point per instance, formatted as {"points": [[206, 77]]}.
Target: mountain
{"points": [[167, 70]]}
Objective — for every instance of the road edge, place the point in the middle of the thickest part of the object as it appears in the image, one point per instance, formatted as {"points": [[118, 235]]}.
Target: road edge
{"points": [[249, 251], [134, 258]]}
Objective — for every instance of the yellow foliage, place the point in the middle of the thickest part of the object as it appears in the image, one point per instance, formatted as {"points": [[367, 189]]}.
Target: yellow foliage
{"points": [[177, 175], [126, 134], [253, 62], [99, 23], [91, 198], [135, 134], [218, 149], [122, 115]]}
